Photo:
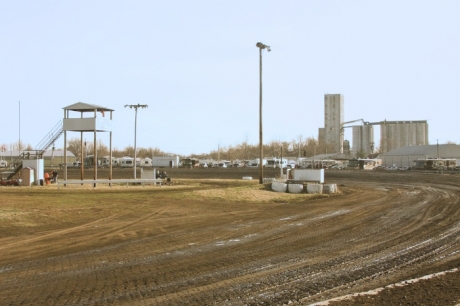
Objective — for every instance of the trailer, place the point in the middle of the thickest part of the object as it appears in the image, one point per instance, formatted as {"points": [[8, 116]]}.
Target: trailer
{"points": [[255, 162], [189, 162], [171, 161], [126, 162], [146, 162], [105, 161], [436, 164], [364, 163], [273, 162]]}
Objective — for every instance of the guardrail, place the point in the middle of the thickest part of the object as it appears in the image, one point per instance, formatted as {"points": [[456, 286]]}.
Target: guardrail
{"points": [[111, 182]]}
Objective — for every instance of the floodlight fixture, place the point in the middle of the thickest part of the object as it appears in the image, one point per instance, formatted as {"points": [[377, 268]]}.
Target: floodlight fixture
{"points": [[262, 46]]}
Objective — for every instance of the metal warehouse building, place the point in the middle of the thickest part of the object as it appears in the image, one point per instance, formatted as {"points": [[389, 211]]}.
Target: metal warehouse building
{"points": [[407, 156]]}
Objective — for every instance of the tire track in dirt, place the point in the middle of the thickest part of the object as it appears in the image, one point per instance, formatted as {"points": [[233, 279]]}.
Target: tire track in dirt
{"points": [[253, 274], [396, 267]]}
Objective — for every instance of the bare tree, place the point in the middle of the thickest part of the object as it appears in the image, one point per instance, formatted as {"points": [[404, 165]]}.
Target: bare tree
{"points": [[20, 146], [102, 149], [299, 145], [74, 146]]}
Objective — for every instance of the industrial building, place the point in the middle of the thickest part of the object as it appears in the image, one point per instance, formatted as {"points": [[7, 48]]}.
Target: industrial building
{"points": [[393, 134], [407, 156], [363, 139], [397, 134], [333, 119]]}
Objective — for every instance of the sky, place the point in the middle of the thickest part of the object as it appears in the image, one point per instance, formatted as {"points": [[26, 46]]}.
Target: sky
{"points": [[196, 65]]}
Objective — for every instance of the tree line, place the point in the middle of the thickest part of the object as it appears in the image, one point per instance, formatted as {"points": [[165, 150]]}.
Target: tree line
{"points": [[243, 151], [299, 147]]}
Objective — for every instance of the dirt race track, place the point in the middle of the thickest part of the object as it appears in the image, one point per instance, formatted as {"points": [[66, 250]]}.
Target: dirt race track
{"points": [[174, 245]]}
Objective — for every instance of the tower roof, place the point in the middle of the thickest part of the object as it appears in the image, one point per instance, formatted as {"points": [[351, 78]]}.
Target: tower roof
{"points": [[85, 107]]}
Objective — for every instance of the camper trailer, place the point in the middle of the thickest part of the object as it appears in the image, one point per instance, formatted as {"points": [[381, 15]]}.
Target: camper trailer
{"points": [[436, 163], [364, 163], [237, 163], [146, 162], [105, 161], [273, 162], [126, 162], [256, 162], [189, 162]]}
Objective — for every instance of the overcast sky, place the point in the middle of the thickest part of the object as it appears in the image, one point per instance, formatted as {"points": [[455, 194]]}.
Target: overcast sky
{"points": [[196, 65]]}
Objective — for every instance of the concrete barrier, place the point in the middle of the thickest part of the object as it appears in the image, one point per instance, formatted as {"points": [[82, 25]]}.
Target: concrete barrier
{"points": [[330, 188], [315, 188], [279, 186], [295, 188]]}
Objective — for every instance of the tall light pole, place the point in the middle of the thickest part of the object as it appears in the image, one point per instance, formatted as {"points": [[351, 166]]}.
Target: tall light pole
{"points": [[135, 106], [261, 46]]}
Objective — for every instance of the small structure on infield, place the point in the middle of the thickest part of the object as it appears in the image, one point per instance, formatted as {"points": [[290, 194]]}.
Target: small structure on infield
{"points": [[93, 124]]}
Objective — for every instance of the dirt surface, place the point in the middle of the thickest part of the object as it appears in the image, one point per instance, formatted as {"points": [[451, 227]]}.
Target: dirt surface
{"points": [[213, 239]]}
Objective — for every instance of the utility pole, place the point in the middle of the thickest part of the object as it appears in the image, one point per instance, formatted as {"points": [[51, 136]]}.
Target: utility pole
{"points": [[261, 46]]}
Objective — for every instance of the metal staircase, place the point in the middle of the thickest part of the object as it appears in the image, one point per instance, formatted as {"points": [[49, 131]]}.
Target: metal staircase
{"points": [[50, 138], [42, 147]]}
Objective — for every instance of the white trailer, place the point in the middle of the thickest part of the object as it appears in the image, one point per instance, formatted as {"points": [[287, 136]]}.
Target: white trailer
{"points": [[273, 162], [165, 161], [126, 162], [146, 162], [105, 161], [256, 162]]}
